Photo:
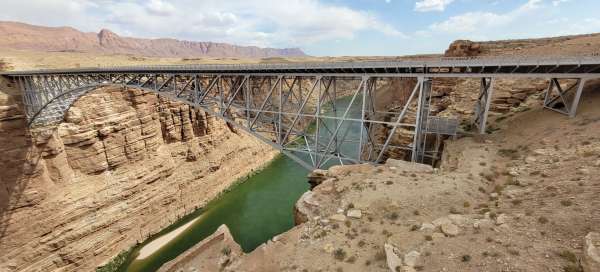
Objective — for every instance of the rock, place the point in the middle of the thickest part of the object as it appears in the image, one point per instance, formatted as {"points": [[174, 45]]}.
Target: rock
{"points": [[501, 219], [427, 227], [521, 182], [494, 195], [407, 268], [530, 159], [440, 221], [329, 248], [597, 163], [394, 262], [316, 177], [583, 171], [437, 236], [338, 217], [463, 48], [483, 224], [409, 166], [458, 219], [513, 172], [308, 198], [450, 229], [591, 252], [412, 258], [504, 227], [354, 213]]}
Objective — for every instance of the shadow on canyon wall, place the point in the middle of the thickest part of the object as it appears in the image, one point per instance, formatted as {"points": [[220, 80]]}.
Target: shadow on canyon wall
{"points": [[18, 163]]}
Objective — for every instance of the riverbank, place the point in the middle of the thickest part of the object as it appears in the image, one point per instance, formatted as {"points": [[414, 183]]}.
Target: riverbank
{"points": [[255, 208]]}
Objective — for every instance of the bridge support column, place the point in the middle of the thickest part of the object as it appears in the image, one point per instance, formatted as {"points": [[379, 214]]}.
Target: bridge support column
{"points": [[482, 105], [557, 98], [423, 105]]}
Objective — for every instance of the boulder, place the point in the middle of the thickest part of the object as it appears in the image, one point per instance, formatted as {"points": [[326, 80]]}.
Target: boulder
{"points": [[394, 261], [412, 258], [591, 252], [354, 213], [440, 221], [316, 177], [427, 227], [450, 229], [338, 217]]}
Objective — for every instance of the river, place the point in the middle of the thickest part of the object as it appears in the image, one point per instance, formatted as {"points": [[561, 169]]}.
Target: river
{"points": [[255, 210]]}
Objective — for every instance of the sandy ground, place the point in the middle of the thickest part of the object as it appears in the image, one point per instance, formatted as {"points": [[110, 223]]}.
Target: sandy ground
{"points": [[159, 242]]}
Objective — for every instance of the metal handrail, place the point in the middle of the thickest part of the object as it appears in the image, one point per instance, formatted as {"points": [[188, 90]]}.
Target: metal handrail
{"points": [[264, 67]]}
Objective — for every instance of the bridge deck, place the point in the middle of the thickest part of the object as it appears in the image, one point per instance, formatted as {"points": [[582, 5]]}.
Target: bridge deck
{"points": [[582, 67]]}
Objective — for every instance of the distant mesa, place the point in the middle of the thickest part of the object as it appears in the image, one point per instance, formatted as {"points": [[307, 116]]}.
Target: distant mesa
{"points": [[66, 39]]}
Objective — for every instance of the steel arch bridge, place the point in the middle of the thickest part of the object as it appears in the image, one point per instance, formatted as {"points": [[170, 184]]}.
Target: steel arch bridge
{"points": [[296, 107]]}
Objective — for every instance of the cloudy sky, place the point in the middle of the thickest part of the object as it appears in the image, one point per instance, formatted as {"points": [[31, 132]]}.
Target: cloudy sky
{"points": [[319, 27]]}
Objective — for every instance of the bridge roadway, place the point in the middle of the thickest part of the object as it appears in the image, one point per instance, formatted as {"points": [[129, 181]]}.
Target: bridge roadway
{"points": [[284, 104]]}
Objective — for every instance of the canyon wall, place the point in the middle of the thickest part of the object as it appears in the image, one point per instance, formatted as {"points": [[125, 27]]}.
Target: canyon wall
{"points": [[122, 166]]}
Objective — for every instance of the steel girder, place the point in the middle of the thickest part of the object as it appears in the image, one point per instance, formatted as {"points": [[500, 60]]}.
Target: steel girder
{"points": [[312, 119]]}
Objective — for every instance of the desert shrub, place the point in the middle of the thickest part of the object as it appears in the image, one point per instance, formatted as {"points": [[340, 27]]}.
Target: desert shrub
{"points": [[572, 268], [568, 256], [339, 254], [380, 255], [115, 263], [566, 202]]}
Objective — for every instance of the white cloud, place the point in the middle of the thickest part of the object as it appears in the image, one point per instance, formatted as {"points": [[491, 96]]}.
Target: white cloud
{"points": [[469, 22], [481, 22], [246, 22], [158, 7], [432, 5], [558, 2]]}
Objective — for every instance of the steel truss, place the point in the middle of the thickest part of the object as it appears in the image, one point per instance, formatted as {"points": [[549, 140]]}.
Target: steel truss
{"points": [[562, 100], [309, 118]]}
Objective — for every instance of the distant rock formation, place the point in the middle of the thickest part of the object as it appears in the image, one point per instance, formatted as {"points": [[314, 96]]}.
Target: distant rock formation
{"points": [[463, 48], [38, 38], [564, 46]]}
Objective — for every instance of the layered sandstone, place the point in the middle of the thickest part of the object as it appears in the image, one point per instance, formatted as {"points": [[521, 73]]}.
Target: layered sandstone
{"points": [[37, 38], [123, 165]]}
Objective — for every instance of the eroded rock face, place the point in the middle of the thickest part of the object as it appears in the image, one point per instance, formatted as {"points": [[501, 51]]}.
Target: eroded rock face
{"points": [[463, 48], [123, 165], [591, 252]]}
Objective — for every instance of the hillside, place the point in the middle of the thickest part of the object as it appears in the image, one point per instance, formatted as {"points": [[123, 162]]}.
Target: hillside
{"points": [[38, 38]]}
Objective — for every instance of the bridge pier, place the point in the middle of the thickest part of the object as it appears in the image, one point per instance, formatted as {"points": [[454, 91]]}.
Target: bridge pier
{"points": [[557, 97], [423, 107], [482, 106]]}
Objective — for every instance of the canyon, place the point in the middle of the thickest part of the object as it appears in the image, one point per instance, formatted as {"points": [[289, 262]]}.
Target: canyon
{"points": [[125, 164]]}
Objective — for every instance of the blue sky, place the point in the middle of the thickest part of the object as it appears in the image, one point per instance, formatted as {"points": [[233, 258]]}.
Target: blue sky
{"points": [[319, 27]]}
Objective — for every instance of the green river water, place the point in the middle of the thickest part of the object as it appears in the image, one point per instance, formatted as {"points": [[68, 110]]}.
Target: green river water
{"points": [[255, 210]]}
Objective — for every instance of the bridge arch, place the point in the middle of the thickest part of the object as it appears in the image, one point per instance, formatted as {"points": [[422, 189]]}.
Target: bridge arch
{"points": [[55, 109]]}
